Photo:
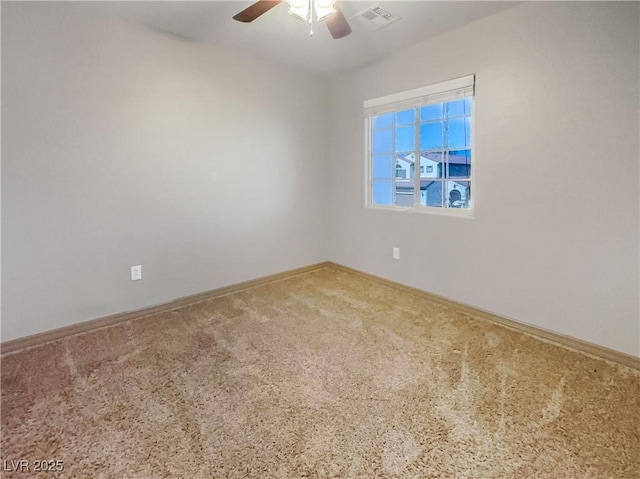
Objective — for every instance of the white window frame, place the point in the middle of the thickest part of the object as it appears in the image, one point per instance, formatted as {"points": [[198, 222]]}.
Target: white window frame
{"points": [[450, 90]]}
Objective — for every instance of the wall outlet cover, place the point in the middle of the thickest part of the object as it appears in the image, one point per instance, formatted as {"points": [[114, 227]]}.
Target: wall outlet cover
{"points": [[136, 273]]}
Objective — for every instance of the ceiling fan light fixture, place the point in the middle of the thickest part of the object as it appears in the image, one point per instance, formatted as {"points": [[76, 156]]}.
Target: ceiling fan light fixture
{"points": [[299, 9], [302, 9], [324, 9]]}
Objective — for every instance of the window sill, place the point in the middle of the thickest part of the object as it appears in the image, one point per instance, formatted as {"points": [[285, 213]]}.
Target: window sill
{"points": [[450, 212]]}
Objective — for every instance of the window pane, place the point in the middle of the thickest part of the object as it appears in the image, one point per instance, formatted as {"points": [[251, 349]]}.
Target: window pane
{"points": [[405, 117], [467, 131], [383, 166], [382, 141], [458, 194], [382, 192], [455, 108], [405, 138], [431, 164], [383, 121], [404, 166], [431, 112], [459, 163], [467, 106], [458, 134], [431, 193], [431, 136], [404, 193]]}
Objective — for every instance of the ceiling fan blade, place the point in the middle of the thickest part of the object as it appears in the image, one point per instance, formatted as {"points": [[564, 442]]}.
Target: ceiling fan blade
{"points": [[338, 25], [252, 12]]}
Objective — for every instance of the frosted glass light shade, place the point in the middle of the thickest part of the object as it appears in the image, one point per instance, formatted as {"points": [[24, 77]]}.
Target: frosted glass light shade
{"points": [[302, 8], [324, 9], [299, 8]]}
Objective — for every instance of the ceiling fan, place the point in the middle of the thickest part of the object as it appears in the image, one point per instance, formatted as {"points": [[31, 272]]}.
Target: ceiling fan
{"points": [[325, 10]]}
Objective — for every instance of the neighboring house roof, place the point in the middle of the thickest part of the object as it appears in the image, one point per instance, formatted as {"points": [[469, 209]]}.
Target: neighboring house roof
{"points": [[424, 183], [437, 157]]}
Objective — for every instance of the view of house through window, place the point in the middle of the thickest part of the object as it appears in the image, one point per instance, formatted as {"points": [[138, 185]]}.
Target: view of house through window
{"points": [[420, 152]]}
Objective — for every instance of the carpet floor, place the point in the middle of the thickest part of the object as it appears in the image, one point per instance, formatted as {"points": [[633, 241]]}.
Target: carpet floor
{"points": [[324, 375]]}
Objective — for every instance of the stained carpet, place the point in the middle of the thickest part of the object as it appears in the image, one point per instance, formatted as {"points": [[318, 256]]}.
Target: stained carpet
{"points": [[324, 375]]}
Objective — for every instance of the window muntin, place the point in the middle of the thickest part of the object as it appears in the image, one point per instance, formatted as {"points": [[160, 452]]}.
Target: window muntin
{"points": [[420, 153]]}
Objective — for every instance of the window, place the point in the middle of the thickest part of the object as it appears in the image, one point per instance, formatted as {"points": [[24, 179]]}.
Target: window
{"points": [[427, 130]]}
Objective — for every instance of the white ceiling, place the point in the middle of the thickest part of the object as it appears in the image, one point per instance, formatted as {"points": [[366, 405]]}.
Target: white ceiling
{"points": [[279, 37]]}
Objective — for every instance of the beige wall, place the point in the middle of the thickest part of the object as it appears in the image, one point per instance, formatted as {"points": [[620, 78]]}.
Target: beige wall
{"points": [[121, 146], [554, 242]]}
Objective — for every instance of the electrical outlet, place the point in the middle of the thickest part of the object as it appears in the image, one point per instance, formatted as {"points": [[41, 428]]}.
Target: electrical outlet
{"points": [[396, 253], [136, 273]]}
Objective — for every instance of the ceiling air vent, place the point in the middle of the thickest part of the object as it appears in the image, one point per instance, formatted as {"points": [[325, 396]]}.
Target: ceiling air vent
{"points": [[376, 17]]}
